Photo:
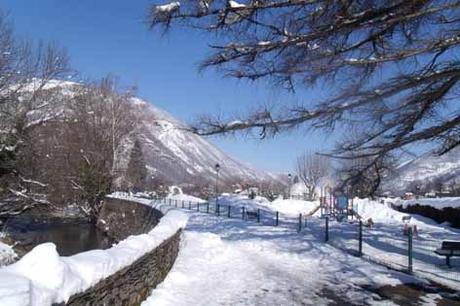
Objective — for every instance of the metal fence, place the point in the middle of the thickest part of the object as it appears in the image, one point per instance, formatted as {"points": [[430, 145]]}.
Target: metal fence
{"points": [[401, 247], [258, 215]]}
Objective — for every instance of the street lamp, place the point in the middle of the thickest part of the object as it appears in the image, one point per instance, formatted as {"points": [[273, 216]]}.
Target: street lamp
{"points": [[217, 168], [289, 176]]}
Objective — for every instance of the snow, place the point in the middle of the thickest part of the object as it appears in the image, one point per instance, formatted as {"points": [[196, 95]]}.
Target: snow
{"points": [[236, 123], [168, 8], [294, 207], [234, 4], [232, 262], [260, 43], [378, 212], [385, 241], [7, 254], [14, 290], [423, 170], [185, 198], [239, 201], [4, 147], [288, 207], [248, 263], [313, 46], [438, 203], [168, 145], [42, 277]]}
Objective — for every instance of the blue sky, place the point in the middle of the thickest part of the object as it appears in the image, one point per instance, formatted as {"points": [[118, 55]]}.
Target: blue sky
{"points": [[110, 37]]}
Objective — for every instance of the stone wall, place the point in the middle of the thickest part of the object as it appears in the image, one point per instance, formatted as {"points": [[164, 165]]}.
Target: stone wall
{"points": [[131, 285], [121, 218]]}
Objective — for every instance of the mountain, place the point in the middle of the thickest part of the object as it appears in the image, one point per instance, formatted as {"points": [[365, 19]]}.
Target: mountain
{"points": [[174, 154], [171, 153], [425, 172]]}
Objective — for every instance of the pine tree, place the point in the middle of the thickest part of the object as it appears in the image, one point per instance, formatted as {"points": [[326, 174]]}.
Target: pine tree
{"points": [[136, 173]]}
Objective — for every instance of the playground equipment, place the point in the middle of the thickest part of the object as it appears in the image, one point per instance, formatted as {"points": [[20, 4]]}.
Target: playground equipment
{"points": [[340, 207]]}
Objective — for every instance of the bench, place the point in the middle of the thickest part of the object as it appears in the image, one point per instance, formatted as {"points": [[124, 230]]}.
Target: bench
{"points": [[406, 219], [251, 214], [449, 249]]}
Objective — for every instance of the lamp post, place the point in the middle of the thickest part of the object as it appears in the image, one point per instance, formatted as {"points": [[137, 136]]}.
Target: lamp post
{"points": [[217, 168], [289, 176]]}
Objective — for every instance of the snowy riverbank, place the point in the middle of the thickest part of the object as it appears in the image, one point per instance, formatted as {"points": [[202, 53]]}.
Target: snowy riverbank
{"points": [[42, 277]]}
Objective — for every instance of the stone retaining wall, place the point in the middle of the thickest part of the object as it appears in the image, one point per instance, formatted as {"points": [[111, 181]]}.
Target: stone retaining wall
{"points": [[121, 218], [131, 285]]}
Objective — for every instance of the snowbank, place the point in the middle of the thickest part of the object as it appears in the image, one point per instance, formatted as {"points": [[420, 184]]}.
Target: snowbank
{"points": [[385, 214], [185, 198], [7, 254], [42, 277], [287, 207], [241, 200], [438, 203], [378, 212], [294, 207]]}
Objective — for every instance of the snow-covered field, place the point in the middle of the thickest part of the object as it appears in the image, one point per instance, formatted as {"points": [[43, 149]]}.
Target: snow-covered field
{"points": [[234, 262], [386, 242]]}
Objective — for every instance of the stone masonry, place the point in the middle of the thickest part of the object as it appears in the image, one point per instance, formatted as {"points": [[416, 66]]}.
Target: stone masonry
{"points": [[122, 218], [131, 285]]}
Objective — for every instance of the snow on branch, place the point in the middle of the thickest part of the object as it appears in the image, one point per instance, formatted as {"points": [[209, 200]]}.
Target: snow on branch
{"points": [[390, 67]]}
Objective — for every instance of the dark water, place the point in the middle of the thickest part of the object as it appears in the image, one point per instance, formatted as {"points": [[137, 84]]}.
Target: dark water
{"points": [[70, 237]]}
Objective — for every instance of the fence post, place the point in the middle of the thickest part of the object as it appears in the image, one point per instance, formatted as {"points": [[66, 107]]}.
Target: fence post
{"points": [[175, 203], [409, 249], [218, 209], [277, 217], [183, 203], [360, 238], [326, 238], [190, 205], [242, 212], [197, 206], [258, 215], [207, 207], [300, 223], [229, 211], [169, 202]]}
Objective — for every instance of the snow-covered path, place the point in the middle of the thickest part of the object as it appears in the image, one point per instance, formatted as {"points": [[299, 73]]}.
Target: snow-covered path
{"points": [[231, 262]]}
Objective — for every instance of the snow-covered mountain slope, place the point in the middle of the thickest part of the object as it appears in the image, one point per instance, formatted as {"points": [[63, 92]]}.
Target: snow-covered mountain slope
{"points": [[426, 169], [172, 152]]}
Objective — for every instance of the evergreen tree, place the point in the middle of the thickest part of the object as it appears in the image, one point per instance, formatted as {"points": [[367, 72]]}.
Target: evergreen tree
{"points": [[136, 173]]}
